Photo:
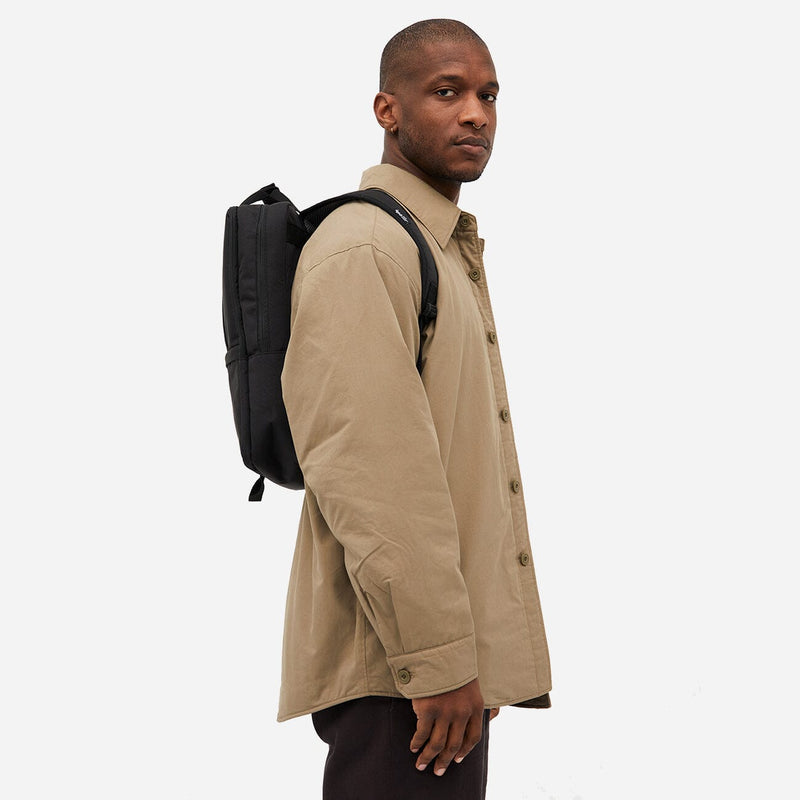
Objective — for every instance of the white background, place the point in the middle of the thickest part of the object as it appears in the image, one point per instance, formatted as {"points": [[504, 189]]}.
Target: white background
{"points": [[647, 154]]}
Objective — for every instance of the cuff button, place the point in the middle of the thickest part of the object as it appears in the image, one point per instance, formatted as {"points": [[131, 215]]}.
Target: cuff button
{"points": [[403, 675]]}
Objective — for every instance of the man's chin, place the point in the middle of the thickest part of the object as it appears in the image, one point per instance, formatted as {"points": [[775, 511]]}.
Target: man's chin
{"points": [[472, 176], [467, 176], [466, 173]]}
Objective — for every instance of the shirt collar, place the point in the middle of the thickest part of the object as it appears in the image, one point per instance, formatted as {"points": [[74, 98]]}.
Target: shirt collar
{"points": [[430, 207]]}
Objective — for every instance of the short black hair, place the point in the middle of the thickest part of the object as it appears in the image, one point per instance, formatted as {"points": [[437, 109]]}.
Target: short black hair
{"points": [[398, 48]]}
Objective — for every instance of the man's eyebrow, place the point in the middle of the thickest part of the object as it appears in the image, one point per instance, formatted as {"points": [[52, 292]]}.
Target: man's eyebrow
{"points": [[460, 78], [447, 78]]}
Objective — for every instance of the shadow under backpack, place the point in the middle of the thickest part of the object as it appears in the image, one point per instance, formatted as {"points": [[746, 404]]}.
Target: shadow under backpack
{"points": [[261, 249]]}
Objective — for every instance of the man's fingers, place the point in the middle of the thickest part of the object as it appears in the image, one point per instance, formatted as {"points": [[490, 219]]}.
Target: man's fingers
{"points": [[422, 734], [455, 740], [435, 744], [472, 735], [493, 712], [449, 725]]}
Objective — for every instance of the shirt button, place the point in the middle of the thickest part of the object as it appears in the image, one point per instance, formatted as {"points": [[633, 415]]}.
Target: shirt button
{"points": [[515, 486], [504, 415], [475, 274], [403, 675], [491, 336], [524, 559], [464, 222]]}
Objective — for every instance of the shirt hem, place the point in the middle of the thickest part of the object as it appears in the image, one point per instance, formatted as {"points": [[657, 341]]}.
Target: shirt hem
{"points": [[335, 702], [378, 693]]}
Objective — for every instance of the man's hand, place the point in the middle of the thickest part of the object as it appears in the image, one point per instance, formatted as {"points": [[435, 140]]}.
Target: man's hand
{"points": [[448, 725]]}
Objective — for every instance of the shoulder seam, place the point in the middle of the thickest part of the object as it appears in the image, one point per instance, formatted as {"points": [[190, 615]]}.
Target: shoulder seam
{"points": [[373, 246]]}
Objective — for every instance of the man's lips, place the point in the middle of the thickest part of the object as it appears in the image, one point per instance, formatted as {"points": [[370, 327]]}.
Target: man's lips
{"points": [[474, 141], [475, 145]]}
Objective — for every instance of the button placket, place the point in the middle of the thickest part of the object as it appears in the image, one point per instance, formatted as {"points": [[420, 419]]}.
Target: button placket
{"points": [[476, 274], [475, 271]]}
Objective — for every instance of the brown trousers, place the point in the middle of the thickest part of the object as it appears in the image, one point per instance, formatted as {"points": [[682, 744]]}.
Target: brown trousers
{"points": [[369, 757]]}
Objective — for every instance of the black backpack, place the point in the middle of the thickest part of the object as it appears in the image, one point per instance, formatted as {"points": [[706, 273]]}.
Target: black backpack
{"points": [[261, 249]]}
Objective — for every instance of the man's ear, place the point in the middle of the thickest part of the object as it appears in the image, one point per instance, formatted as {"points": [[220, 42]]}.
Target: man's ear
{"points": [[385, 108]]}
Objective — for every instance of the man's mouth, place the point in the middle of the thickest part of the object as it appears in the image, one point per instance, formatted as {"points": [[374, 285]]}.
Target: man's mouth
{"points": [[475, 145]]}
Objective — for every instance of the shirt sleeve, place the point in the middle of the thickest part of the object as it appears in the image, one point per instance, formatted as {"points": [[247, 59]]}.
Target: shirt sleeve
{"points": [[369, 452]]}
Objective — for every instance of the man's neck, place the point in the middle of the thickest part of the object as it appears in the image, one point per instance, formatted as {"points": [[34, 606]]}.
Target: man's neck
{"points": [[450, 189]]}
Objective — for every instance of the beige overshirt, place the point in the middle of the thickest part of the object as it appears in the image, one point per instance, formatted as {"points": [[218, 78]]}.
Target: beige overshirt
{"points": [[413, 571]]}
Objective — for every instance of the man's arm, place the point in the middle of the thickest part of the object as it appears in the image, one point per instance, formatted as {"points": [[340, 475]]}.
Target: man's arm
{"points": [[369, 452]]}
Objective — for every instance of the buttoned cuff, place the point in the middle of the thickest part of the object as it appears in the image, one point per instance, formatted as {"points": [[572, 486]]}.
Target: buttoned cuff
{"points": [[436, 670]]}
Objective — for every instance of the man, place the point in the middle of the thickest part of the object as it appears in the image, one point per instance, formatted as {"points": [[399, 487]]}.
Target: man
{"points": [[412, 607]]}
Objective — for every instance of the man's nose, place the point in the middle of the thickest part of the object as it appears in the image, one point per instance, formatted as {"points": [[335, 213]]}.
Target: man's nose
{"points": [[473, 113]]}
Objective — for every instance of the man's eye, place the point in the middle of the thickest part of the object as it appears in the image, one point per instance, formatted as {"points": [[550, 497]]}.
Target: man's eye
{"points": [[490, 98], [445, 92]]}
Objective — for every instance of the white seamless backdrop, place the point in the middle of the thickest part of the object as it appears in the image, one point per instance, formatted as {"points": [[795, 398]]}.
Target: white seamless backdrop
{"points": [[646, 152]]}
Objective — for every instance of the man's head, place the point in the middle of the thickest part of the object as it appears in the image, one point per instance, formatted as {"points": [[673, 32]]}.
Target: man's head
{"points": [[437, 103]]}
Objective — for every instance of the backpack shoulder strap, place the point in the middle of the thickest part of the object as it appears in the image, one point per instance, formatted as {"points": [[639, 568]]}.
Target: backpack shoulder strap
{"points": [[313, 216]]}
